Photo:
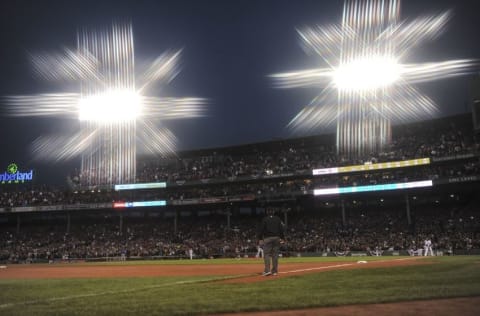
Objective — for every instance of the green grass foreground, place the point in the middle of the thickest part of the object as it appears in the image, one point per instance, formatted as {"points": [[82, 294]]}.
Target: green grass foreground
{"points": [[446, 277]]}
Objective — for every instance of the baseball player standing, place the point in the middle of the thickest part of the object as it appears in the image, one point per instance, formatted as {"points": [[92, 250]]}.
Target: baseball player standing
{"points": [[270, 234], [428, 247]]}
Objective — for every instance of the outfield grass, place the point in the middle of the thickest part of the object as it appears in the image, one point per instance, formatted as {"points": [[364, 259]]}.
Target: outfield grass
{"points": [[447, 277]]}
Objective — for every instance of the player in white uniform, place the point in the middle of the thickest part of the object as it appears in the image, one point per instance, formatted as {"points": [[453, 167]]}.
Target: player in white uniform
{"points": [[259, 252], [428, 247]]}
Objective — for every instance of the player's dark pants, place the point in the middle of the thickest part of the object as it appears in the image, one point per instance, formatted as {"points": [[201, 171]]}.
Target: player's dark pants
{"points": [[271, 249]]}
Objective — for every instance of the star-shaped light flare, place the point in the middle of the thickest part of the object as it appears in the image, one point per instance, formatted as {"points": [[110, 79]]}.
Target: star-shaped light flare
{"points": [[113, 113], [366, 84]]}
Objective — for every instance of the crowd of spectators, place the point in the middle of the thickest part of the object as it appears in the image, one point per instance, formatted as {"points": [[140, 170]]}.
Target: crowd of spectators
{"points": [[44, 196], [273, 188], [292, 161], [442, 138], [439, 138], [388, 230], [451, 229]]}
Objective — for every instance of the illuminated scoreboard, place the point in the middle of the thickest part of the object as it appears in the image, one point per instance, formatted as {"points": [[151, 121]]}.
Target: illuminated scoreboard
{"points": [[373, 166], [372, 188]]}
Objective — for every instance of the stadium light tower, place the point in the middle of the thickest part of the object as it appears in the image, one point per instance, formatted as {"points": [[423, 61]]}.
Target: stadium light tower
{"points": [[366, 85], [116, 118]]}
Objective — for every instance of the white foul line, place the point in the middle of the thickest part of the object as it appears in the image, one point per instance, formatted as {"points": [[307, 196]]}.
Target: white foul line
{"points": [[340, 265], [317, 268], [53, 299], [71, 297]]}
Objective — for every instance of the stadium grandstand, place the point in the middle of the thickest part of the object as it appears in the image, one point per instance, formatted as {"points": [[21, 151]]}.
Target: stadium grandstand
{"points": [[424, 185]]}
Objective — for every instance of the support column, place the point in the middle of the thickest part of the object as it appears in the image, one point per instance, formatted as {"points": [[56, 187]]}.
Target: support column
{"points": [[407, 208], [175, 220], [68, 223], [228, 217], [18, 223], [344, 219], [121, 224]]}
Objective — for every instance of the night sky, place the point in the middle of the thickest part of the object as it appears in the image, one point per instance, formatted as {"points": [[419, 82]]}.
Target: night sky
{"points": [[229, 49]]}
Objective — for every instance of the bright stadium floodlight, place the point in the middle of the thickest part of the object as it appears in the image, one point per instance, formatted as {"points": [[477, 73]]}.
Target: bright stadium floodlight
{"points": [[367, 73], [111, 106], [117, 117], [366, 86]]}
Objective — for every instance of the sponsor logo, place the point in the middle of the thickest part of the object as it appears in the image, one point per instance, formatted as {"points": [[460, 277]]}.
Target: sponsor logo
{"points": [[14, 175]]}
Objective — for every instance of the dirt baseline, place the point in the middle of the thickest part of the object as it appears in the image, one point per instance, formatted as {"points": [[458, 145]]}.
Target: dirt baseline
{"points": [[242, 272]]}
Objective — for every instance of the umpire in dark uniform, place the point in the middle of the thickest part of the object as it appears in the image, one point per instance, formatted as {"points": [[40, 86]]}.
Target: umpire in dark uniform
{"points": [[271, 233]]}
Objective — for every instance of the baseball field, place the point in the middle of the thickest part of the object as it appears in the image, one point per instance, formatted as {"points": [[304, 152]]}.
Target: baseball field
{"points": [[304, 286]]}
